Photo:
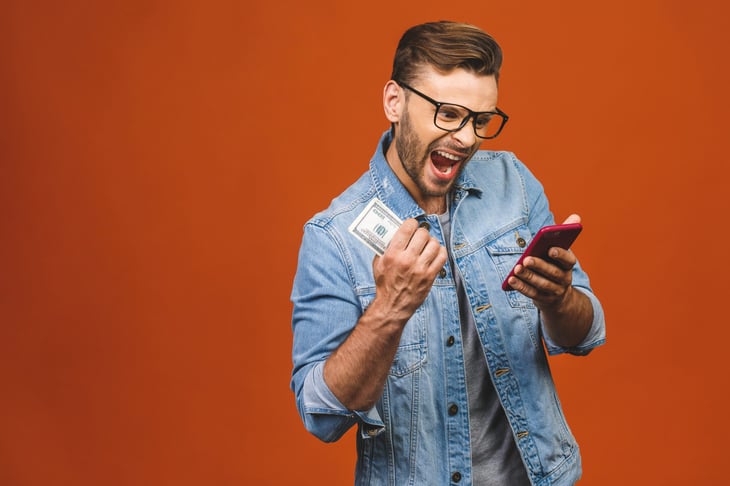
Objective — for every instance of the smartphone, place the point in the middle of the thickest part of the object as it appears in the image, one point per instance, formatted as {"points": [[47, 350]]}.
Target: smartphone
{"points": [[561, 235]]}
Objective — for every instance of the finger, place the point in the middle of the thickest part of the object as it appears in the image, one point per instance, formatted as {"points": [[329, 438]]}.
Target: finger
{"points": [[573, 218], [535, 271], [419, 240], [540, 296], [403, 236], [522, 287], [433, 254], [561, 257], [433, 259], [534, 291], [520, 282], [541, 283]]}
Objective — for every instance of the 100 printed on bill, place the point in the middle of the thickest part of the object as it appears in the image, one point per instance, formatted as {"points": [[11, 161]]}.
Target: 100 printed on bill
{"points": [[375, 226]]}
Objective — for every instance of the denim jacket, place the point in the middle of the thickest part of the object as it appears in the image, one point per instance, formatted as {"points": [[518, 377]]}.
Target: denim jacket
{"points": [[418, 432]]}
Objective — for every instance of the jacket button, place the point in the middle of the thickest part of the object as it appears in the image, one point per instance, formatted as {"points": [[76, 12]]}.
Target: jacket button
{"points": [[456, 477], [424, 225], [442, 273], [521, 242], [453, 409], [450, 341]]}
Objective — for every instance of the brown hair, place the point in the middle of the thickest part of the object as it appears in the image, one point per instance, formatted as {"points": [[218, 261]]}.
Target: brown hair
{"points": [[446, 46]]}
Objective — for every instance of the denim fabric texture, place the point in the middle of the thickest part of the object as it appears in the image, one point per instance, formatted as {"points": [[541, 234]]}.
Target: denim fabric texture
{"points": [[418, 432]]}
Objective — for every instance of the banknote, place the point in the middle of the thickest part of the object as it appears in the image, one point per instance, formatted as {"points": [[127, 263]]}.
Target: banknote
{"points": [[375, 226]]}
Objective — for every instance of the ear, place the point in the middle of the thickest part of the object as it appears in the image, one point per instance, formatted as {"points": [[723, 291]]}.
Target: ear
{"points": [[393, 101]]}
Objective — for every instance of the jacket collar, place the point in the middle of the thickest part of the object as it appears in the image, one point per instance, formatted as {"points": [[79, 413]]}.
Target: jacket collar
{"points": [[391, 191]]}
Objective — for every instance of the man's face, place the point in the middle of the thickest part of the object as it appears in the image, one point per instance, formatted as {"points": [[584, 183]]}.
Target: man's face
{"points": [[425, 158]]}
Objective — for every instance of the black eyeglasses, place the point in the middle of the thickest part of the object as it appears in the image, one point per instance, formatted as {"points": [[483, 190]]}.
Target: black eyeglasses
{"points": [[452, 117]]}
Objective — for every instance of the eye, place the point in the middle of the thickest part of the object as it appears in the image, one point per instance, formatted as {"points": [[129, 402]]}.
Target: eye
{"points": [[451, 113], [483, 120]]}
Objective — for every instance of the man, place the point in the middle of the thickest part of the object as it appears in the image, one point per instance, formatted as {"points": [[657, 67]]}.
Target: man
{"points": [[443, 372]]}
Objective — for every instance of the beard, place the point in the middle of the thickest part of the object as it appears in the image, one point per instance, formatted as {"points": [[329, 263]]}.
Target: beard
{"points": [[414, 158]]}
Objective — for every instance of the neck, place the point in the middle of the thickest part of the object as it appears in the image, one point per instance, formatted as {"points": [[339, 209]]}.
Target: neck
{"points": [[434, 205]]}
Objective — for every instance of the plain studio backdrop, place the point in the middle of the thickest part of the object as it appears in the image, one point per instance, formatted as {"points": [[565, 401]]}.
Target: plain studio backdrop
{"points": [[158, 161]]}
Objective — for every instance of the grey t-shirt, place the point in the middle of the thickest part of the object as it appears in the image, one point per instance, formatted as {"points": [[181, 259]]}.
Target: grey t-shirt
{"points": [[494, 455]]}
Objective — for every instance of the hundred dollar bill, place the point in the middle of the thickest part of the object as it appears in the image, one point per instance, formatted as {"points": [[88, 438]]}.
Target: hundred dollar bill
{"points": [[375, 226]]}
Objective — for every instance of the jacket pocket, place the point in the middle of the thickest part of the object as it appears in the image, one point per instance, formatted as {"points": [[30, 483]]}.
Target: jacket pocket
{"points": [[412, 347], [504, 251]]}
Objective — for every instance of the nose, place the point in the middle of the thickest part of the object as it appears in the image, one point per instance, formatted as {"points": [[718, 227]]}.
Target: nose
{"points": [[465, 135]]}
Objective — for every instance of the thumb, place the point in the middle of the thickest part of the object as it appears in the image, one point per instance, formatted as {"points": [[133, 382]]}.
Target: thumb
{"points": [[573, 218]]}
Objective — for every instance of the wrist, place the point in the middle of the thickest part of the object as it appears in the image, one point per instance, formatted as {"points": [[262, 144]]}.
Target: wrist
{"points": [[385, 317]]}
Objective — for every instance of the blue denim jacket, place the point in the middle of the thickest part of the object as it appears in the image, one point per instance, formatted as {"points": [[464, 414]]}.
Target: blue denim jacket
{"points": [[415, 435]]}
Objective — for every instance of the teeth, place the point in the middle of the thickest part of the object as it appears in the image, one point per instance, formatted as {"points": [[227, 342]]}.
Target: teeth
{"points": [[448, 170], [448, 156]]}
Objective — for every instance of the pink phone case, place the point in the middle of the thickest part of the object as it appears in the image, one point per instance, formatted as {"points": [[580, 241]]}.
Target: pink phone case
{"points": [[561, 235]]}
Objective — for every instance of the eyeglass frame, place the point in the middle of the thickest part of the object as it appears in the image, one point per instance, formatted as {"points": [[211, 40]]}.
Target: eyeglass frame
{"points": [[471, 114]]}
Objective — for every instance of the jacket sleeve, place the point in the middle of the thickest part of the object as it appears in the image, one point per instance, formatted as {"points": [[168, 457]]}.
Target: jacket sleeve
{"points": [[539, 216], [596, 335], [325, 309]]}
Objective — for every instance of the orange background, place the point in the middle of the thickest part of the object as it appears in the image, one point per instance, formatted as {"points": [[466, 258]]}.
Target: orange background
{"points": [[157, 163]]}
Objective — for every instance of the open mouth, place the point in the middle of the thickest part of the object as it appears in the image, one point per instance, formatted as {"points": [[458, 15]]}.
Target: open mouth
{"points": [[445, 163]]}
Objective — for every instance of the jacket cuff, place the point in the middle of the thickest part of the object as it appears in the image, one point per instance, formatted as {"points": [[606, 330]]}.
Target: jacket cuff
{"points": [[596, 335], [326, 417]]}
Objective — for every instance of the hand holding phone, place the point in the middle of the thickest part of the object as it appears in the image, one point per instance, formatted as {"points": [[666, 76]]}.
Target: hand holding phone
{"points": [[560, 235]]}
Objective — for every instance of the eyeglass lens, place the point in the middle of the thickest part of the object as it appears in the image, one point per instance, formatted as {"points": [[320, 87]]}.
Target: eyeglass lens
{"points": [[452, 117]]}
